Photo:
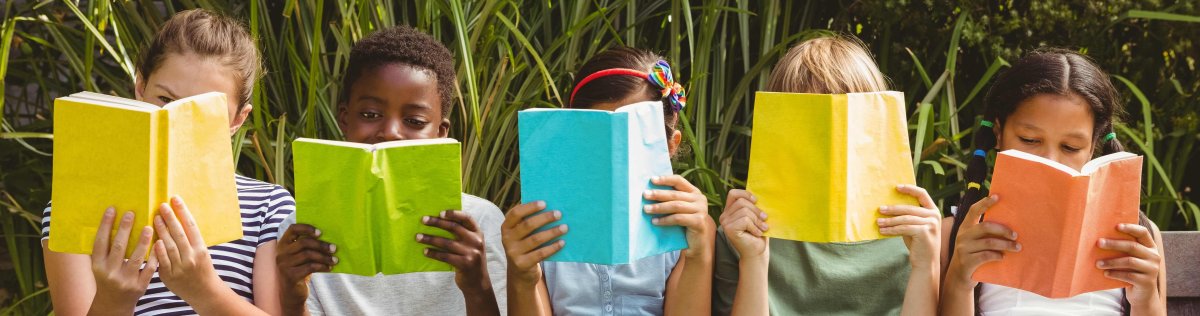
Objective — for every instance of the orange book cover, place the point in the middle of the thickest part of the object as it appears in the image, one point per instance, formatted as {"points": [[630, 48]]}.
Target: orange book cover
{"points": [[1059, 215]]}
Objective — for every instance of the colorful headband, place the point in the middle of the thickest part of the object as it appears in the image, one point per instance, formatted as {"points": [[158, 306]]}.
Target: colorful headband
{"points": [[1110, 136], [659, 76]]}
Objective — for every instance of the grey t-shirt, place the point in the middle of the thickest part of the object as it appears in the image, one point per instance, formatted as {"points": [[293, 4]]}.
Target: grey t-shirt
{"points": [[422, 293]]}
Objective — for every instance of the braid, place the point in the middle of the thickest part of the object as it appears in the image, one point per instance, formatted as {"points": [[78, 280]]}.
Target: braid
{"points": [[977, 170]]}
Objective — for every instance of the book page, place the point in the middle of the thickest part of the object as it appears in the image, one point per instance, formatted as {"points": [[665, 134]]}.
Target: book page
{"points": [[416, 181], [200, 166], [111, 101], [337, 192], [1091, 166], [877, 159]]}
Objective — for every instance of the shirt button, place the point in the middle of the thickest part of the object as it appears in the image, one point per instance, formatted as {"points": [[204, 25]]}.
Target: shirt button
{"points": [[608, 308]]}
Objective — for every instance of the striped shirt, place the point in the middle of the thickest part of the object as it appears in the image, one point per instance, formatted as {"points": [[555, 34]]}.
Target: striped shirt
{"points": [[263, 207]]}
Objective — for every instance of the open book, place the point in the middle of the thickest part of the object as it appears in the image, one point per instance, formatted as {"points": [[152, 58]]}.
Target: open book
{"points": [[821, 165], [1059, 215], [132, 155], [593, 166], [369, 199]]}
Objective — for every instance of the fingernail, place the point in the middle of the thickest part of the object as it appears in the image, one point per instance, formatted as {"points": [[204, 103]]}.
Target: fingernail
{"points": [[1013, 235], [1103, 242], [332, 248], [654, 220], [420, 236], [646, 194], [562, 228], [899, 186], [317, 233], [1018, 248], [996, 197], [762, 215], [646, 208], [110, 211], [883, 209], [335, 260], [177, 199], [557, 215], [128, 215], [655, 178], [879, 222], [166, 206], [443, 214], [425, 219], [425, 251], [1100, 264], [765, 226], [540, 204], [1122, 226], [753, 198]]}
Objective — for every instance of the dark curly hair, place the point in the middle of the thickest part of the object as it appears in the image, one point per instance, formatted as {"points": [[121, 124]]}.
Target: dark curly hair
{"points": [[402, 45]]}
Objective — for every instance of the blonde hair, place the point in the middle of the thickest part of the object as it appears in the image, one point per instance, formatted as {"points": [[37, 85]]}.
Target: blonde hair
{"points": [[827, 65], [208, 35]]}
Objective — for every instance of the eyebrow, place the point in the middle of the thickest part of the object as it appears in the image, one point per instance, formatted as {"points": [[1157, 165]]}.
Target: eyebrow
{"points": [[1076, 134], [168, 90]]}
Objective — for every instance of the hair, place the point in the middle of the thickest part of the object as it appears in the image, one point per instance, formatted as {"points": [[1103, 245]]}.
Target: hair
{"points": [[616, 88], [827, 65], [406, 46], [208, 35], [1044, 71]]}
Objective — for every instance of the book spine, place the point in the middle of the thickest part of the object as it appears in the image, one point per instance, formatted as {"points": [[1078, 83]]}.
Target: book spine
{"points": [[160, 166], [623, 234], [841, 228]]}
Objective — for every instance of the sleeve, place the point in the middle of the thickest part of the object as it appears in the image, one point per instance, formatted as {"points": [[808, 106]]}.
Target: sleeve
{"points": [[279, 207], [497, 262], [313, 304], [46, 222], [725, 275]]}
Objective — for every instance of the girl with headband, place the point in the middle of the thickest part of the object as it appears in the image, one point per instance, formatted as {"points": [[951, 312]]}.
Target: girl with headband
{"points": [[678, 282]]}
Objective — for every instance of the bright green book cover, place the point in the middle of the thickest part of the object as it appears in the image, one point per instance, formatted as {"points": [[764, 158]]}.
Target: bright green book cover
{"points": [[369, 199]]}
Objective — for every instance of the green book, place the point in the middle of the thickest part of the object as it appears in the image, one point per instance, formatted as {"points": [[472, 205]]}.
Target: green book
{"points": [[369, 199]]}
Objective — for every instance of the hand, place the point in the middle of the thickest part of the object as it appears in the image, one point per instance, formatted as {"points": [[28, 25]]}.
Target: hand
{"points": [[684, 206], [464, 252], [978, 243], [524, 248], [185, 266], [744, 224], [120, 280], [1140, 268], [920, 226], [300, 254]]}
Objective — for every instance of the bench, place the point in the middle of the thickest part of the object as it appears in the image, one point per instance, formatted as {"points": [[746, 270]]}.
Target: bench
{"points": [[1183, 272]]}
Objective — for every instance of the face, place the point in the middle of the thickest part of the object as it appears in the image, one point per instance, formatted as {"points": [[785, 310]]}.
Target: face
{"points": [[1053, 126], [672, 140], [393, 102], [184, 75]]}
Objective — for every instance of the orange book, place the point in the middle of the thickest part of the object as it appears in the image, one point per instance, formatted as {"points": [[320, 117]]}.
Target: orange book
{"points": [[1059, 215]]}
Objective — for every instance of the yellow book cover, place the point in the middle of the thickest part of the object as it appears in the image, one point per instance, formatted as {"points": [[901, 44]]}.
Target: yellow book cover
{"points": [[132, 155], [822, 164]]}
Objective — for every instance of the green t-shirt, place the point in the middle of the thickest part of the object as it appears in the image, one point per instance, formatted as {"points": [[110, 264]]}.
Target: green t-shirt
{"points": [[863, 278]]}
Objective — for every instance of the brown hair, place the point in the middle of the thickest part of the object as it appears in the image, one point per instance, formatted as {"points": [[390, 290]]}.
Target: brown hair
{"points": [[828, 65], [209, 35], [615, 88]]}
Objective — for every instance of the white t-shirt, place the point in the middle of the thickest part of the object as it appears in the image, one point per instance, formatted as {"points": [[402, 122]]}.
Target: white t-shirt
{"points": [[996, 300]]}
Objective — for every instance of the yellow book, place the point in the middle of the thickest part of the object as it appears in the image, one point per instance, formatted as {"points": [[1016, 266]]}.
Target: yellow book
{"points": [[132, 155], [822, 164]]}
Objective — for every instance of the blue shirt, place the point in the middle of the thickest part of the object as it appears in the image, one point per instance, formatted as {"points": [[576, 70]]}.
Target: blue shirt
{"points": [[636, 288]]}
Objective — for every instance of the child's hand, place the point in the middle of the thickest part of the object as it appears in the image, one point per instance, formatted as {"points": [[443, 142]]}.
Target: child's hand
{"points": [[1140, 268], [300, 254], [978, 243], [921, 226], [685, 206], [184, 264], [744, 224], [464, 252], [524, 248], [120, 281]]}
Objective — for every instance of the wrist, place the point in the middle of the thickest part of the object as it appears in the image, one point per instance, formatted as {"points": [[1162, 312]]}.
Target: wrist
{"points": [[104, 305], [523, 279]]}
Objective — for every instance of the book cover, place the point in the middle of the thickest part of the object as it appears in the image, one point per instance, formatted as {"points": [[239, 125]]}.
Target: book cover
{"points": [[821, 165], [132, 155], [369, 199], [1059, 215], [593, 166]]}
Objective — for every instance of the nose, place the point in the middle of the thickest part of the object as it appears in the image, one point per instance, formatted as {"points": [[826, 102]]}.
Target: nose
{"points": [[391, 130]]}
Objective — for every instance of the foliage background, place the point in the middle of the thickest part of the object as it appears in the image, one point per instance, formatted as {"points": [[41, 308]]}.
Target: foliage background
{"points": [[519, 54]]}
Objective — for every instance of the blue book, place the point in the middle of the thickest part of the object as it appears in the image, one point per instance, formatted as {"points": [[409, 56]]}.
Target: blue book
{"points": [[593, 166]]}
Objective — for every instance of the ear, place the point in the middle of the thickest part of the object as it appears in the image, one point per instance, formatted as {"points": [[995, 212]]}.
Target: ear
{"points": [[238, 119], [444, 128], [999, 132], [139, 87], [341, 116], [673, 143]]}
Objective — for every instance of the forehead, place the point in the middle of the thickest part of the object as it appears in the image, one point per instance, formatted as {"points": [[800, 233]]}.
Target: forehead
{"points": [[188, 74], [1068, 114], [396, 80]]}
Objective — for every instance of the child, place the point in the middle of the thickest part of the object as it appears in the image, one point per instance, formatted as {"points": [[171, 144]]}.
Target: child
{"points": [[677, 282], [399, 84], [879, 277], [1059, 105], [196, 51]]}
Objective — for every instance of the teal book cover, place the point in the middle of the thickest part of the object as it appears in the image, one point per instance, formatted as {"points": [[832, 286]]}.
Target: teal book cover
{"points": [[593, 166]]}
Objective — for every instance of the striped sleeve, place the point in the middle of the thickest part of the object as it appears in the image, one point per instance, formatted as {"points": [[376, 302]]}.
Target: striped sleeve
{"points": [[46, 222], [280, 207]]}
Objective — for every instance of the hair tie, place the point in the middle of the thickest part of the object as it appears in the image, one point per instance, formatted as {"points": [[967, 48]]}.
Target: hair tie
{"points": [[1110, 136], [973, 185], [980, 153], [985, 123], [659, 76]]}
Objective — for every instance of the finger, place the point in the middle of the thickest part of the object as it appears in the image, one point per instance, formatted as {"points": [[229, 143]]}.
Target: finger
{"points": [[675, 181], [990, 229], [461, 218], [147, 271], [162, 255], [905, 220], [175, 230], [991, 244], [736, 194], [517, 214], [904, 230], [684, 220], [1139, 233], [752, 212], [980, 257], [302, 272], [670, 207], [100, 245], [743, 225], [453, 259], [170, 249], [1128, 264], [444, 244], [977, 210], [918, 192], [531, 243], [897, 210], [1134, 249], [1131, 277], [314, 245], [300, 231], [190, 228], [540, 254], [666, 195], [448, 225], [116, 254], [139, 251], [310, 256], [532, 223]]}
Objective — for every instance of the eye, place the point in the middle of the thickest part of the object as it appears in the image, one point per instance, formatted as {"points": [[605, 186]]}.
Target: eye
{"points": [[1029, 140], [416, 122], [1070, 149], [165, 99]]}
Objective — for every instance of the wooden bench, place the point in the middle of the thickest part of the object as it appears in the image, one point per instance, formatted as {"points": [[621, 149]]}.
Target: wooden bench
{"points": [[1183, 272]]}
